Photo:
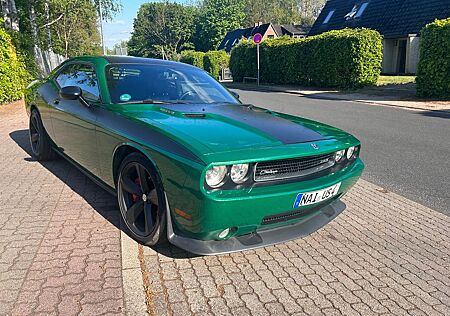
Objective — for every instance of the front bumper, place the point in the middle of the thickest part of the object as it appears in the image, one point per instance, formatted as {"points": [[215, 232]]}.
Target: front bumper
{"points": [[259, 238], [249, 210]]}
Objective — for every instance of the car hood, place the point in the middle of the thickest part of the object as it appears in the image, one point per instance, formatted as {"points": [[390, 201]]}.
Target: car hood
{"points": [[217, 128]]}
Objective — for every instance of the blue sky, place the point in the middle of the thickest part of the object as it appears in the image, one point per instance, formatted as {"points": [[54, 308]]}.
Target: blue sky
{"points": [[122, 25]]}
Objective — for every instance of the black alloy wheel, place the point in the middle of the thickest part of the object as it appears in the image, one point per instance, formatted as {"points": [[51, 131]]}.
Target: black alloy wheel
{"points": [[35, 134], [140, 199], [41, 146]]}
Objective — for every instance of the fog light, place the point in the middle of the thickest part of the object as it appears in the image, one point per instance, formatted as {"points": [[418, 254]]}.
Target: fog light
{"points": [[224, 233]]}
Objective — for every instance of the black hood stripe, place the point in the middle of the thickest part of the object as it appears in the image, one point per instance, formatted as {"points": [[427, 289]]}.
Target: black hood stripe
{"points": [[276, 127]]}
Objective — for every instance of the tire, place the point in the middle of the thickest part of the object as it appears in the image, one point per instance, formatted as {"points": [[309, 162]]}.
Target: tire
{"points": [[142, 204], [41, 145]]}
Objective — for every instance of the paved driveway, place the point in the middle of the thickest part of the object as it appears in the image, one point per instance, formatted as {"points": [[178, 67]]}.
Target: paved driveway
{"points": [[59, 241], [384, 255], [60, 253]]}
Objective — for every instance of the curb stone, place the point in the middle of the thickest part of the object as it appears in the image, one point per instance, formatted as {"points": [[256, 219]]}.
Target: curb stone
{"points": [[335, 97], [132, 282]]}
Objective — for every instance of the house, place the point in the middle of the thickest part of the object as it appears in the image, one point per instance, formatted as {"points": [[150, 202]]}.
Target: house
{"points": [[292, 30], [399, 21], [267, 30]]}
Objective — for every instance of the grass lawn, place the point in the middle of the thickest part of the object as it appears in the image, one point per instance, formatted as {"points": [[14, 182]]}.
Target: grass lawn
{"points": [[384, 80]]}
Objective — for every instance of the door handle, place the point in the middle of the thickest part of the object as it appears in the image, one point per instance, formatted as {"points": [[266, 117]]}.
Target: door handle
{"points": [[56, 101]]}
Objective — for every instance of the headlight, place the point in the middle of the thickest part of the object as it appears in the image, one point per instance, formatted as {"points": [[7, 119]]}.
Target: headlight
{"points": [[239, 173], [339, 154], [215, 175], [350, 152]]}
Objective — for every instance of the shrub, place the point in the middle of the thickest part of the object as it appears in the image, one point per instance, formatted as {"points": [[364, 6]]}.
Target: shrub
{"points": [[348, 58], [13, 75], [213, 61], [193, 58], [433, 73], [25, 52]]}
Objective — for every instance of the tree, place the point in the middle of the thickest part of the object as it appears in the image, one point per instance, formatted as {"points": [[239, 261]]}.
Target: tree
{"points": [[310, 10], [74, 26], [68, 27], [282, 11], [162, 30], [118, 48], [9, 12], [109, 8], [216, 18], [272, 11]]}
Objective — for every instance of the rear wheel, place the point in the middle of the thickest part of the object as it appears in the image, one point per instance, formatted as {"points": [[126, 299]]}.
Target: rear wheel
{"points": [[141, 199], [41, 146]]}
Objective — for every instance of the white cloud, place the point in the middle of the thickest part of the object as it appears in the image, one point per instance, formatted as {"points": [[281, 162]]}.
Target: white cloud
{"points": [[116, 22]]}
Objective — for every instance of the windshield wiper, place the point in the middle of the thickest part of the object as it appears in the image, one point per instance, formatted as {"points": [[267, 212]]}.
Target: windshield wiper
{"points": [[221, 102], [151, 101]]}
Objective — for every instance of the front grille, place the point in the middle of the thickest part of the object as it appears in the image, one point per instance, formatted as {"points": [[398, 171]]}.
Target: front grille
{"points": [[292, 168], [287, 216]]}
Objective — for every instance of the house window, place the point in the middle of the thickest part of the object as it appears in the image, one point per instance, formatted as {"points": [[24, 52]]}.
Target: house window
{"points": [[327, 19], [361, 9], [357, 11], [352, 13], [271, 36]]}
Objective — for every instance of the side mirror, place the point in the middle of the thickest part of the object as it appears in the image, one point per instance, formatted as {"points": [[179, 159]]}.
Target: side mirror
{"points": [[236, 95], [70, 93]]}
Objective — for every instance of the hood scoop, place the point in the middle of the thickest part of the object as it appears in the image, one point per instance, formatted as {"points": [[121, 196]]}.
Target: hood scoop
{"points": [[194, 115]]}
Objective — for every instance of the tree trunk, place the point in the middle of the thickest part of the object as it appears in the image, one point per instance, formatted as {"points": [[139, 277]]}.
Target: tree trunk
{"points": [[9, 12], [47, 17]]}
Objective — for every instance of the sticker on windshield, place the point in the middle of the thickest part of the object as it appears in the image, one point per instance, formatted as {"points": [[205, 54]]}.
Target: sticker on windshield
{"points": [[125, 97]]}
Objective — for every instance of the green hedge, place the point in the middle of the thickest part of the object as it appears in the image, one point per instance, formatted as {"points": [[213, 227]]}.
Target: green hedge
{"points": [[213, 61], [13, 75], [193, 58], [433, 73], [348, 58]]}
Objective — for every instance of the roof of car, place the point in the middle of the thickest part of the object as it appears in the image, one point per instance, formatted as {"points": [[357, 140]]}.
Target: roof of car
{"points": [[131, 60], [134, 60]]}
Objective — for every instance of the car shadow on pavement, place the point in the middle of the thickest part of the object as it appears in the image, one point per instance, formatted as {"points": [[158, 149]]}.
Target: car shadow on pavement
{"points": [[438, 114], [99, 199]]}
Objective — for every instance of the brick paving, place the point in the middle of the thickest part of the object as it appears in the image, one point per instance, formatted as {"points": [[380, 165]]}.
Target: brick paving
{"points": [[59, 241], [385, 255], [60, 254]]}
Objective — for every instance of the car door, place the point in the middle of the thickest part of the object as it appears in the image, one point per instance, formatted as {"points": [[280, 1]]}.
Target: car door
{"points": [[74, 121]]}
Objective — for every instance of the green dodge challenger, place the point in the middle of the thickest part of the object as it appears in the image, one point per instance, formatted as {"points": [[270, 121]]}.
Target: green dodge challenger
{"points": [[186, 159]]}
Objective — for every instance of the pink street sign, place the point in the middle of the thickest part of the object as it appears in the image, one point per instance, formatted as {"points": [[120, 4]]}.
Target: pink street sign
{"points": [[257, 38]]}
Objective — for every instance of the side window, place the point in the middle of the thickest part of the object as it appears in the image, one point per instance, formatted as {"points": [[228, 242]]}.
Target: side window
{"points": [[83, 76]]}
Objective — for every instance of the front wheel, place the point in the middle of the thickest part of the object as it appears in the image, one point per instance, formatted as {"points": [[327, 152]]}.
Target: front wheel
{"points": [[141, 199], [41, 146]]}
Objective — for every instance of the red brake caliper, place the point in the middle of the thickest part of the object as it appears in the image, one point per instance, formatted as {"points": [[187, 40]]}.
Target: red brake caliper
{"points": [[135, 197]]}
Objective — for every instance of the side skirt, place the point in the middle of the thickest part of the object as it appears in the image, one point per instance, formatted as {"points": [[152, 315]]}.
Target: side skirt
{"points": [[95, 179]]}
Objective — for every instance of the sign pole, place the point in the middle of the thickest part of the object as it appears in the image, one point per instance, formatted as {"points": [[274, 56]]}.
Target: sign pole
{"points": [[257, 38], [257, 58]]}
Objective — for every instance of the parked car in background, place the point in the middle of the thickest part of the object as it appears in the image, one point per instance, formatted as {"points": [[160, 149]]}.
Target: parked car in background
{"points": [[186, 158]]}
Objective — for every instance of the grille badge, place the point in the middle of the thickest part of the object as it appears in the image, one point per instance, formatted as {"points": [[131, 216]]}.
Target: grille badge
{"points": [[267, 171]]}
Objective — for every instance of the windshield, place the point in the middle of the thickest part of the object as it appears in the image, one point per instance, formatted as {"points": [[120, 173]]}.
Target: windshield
{"points": [[150, 83]]}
